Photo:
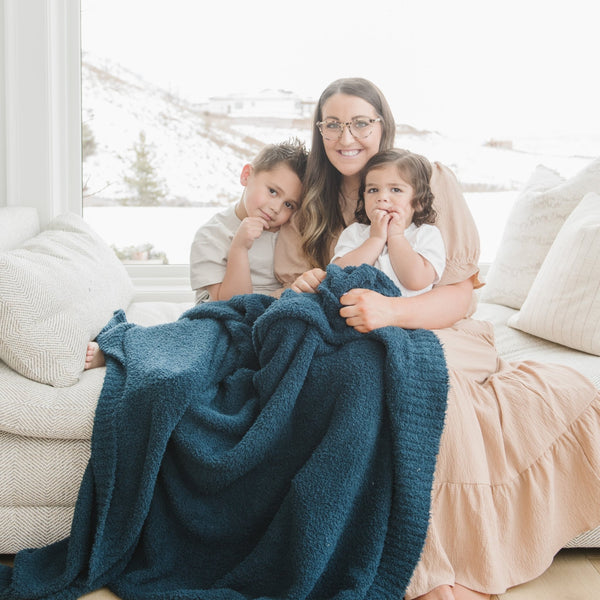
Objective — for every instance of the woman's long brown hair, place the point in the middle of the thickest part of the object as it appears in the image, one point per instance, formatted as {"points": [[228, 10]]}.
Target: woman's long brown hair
{"points": [[320, 218]]}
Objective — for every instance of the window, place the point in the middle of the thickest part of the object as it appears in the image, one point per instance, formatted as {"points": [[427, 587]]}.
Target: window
{"points": [[177, 96]]}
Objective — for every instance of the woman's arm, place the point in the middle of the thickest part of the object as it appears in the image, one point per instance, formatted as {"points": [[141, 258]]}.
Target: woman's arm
{"points": [[441, 307]]}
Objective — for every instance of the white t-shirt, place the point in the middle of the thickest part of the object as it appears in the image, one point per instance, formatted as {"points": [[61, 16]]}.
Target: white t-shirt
{"points": [[208, 255], [426, 240]]}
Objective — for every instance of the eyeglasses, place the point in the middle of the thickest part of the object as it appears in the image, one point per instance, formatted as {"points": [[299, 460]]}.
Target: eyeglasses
{"points": [[360, 127]]}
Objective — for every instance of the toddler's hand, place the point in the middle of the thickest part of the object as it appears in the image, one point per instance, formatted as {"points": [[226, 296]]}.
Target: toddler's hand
{"points": [[400, 219], [249, 230], [379, 224]]}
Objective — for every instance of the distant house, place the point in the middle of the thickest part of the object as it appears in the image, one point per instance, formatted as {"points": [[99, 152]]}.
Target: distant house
{"points": [[266, 103]]}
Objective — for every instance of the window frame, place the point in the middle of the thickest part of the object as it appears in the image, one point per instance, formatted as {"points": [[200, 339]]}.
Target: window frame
{"points": [[40, 77]]}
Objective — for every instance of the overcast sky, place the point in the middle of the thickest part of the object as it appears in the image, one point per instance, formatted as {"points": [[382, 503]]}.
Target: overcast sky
{"points": [[474, 67]]}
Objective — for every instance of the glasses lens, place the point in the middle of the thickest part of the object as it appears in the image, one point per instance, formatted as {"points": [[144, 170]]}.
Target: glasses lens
{"points": [[361, 128], [331, 129]]}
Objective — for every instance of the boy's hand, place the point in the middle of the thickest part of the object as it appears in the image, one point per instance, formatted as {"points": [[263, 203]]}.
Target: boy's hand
{"points": [[309, 281], [379, 224], [249, 230]]}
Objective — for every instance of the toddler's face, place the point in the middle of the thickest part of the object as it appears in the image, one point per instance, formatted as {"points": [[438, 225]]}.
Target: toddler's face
{"points": [[386, 190], [273, 195]]}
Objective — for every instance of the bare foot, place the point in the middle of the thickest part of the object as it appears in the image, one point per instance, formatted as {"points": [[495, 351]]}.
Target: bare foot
{"points": [[463, 593], [442, 592], [94, 357]]}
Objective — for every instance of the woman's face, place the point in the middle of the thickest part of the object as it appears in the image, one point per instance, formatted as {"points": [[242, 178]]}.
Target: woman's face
{"points": [[349, 154]]}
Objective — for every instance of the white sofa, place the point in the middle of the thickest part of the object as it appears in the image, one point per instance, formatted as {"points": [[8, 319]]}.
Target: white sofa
{"points": [[45, 429], [46, 414]]}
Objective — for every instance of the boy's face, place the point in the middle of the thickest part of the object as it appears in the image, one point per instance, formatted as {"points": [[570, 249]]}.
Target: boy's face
{"points": [[273, 195]]}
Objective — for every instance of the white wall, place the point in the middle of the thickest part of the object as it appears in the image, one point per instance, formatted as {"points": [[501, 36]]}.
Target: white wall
{"points": [[40, 112]]}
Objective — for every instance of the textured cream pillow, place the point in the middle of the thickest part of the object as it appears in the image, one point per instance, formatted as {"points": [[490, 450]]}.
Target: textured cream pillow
{"points": [[57, 291], [563, 304], [537, 216]]}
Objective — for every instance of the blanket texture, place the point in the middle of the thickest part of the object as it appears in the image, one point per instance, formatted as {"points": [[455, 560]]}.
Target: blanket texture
{"points": [[254, 448]]}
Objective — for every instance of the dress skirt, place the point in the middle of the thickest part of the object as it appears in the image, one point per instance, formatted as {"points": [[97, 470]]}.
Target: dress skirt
{"points": [[518, 472]]}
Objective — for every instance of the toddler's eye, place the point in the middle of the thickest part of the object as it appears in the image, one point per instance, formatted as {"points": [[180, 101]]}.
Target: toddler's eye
{"points": [[371, 190], [396, 190]]}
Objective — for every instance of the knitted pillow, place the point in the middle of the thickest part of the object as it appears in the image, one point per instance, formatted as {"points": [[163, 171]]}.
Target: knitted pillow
{"points": [[563, 304], [537, 215], [57, 291]]}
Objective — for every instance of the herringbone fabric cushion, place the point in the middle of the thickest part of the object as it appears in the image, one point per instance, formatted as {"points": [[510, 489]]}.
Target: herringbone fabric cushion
{"points": [[56, 292]]}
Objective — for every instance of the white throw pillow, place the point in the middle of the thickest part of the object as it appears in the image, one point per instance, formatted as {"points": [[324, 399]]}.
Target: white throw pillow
{"points": [[57, 291], [537, 216], [563, 304]]}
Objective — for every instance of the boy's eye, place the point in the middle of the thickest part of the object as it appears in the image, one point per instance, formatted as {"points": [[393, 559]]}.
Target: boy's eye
{"points": [[272, 192], [289, 205]]}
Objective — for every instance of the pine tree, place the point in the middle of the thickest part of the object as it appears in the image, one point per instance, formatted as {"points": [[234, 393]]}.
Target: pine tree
{"points": [[143, 180], [88, 141]]}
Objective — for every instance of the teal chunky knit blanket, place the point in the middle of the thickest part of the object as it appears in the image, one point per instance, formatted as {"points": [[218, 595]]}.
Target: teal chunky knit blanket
{"points": [[254, 449]]}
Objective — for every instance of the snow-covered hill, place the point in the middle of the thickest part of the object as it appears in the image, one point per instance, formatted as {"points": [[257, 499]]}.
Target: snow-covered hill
{"points": [[200, 156]]}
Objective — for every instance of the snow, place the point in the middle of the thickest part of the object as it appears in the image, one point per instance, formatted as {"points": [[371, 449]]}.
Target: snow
{"points": [[200, 158]]}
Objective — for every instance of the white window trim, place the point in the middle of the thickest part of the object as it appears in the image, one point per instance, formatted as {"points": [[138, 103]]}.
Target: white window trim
{"points": [[40, 124]]}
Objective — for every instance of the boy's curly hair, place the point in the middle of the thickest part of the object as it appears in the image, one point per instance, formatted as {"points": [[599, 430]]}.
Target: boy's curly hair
{"points": [[415, 170]]}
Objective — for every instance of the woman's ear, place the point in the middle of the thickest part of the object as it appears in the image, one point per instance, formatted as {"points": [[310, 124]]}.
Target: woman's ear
{"points": [[246, 173]]}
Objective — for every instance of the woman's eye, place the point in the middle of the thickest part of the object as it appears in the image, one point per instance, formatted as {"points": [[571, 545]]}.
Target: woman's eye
{"points": [[360, 124]]}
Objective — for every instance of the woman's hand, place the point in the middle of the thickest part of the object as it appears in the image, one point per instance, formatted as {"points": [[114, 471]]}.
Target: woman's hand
{"points": [[366, 310], [309, 281]]}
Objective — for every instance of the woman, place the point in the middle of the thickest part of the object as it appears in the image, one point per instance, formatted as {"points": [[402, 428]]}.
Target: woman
{"points": [[519, 453]]}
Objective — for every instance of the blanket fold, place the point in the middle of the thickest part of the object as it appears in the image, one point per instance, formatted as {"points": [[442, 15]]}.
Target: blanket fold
{"points": [[254, 449]]}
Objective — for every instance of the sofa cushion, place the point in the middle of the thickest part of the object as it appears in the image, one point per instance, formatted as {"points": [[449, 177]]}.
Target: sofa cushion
{"points": [[563, 304], [57, 291], [536, 217]]}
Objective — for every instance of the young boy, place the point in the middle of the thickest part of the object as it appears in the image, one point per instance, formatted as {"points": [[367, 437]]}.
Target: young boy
{"points": [[233, 252]]}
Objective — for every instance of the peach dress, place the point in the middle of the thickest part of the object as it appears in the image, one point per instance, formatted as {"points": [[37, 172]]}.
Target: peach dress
{"points": [[518, 472]]}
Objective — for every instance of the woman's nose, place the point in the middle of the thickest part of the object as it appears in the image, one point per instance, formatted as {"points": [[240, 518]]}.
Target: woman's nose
{"points": [[347, 137]]}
